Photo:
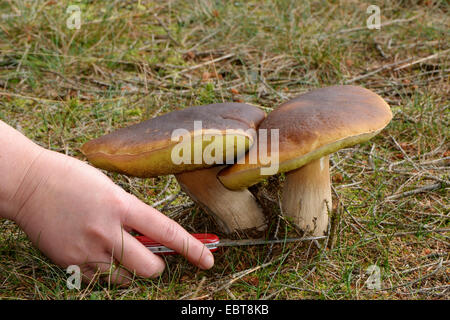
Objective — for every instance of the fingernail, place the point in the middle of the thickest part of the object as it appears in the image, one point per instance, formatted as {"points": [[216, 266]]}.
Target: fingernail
{"points": [[208, 261]]}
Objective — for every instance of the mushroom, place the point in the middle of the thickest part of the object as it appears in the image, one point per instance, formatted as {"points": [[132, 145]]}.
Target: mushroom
{"points": [[312, 126], [189, 143]]}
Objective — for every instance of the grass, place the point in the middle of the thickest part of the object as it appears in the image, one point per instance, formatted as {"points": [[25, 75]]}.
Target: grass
{"points": [[62, 87]]}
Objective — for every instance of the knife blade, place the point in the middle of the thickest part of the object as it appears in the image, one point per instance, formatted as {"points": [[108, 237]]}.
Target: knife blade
{"points": [[212, 242]]}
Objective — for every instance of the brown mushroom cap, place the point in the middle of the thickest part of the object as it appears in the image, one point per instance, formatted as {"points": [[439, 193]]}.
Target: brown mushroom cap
{"points": [[144, 149], [313, 125]]}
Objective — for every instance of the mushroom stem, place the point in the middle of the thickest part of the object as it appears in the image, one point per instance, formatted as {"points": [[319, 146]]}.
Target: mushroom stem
{"points": [[233, 210], [307, 196]]}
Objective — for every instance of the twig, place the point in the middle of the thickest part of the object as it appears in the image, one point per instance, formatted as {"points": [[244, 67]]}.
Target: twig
{"points": [[378, 47], [388, 23], [275, 237], [351, 216], [415, 191], [433, 56], [169, 181], [424, 266], [404, 153], [235, 277], [162, 24], [134, 15], [202, 41], [400, 234], [200, 285], [168, 198], [428, 154], [385, 67], [232, 296], [201, 65], [371, 163], [415, 281], [421, 290], [276, 271], [292, 287]]}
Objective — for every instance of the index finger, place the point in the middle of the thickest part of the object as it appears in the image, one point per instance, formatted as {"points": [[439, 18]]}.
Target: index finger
{"points": [[155, 225]]}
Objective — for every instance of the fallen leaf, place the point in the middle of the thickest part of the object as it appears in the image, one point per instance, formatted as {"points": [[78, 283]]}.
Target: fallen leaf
{"points": [[338, 178], [334, 205], [252, 280], [234, 91], [407, 146], [189, 55]]}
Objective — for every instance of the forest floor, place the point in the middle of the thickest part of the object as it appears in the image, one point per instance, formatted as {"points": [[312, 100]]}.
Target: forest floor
{"points": [[133, 60]]}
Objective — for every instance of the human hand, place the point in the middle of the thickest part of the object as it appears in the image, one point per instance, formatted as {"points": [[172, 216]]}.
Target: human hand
{"points": [[77, 216]]}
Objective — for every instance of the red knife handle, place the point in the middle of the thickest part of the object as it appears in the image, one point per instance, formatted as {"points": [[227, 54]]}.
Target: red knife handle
{"points": [[207, 239]]}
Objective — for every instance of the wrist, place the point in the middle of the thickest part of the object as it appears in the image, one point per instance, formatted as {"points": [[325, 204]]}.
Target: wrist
{"points": [[33, 181], [19, 157]]}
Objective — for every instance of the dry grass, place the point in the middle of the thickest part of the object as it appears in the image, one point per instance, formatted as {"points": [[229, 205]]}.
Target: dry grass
{"points": [[133, 60]]}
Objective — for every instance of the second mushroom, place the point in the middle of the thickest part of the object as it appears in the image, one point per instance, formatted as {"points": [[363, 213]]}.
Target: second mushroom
{"points": [[312, 126]]}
